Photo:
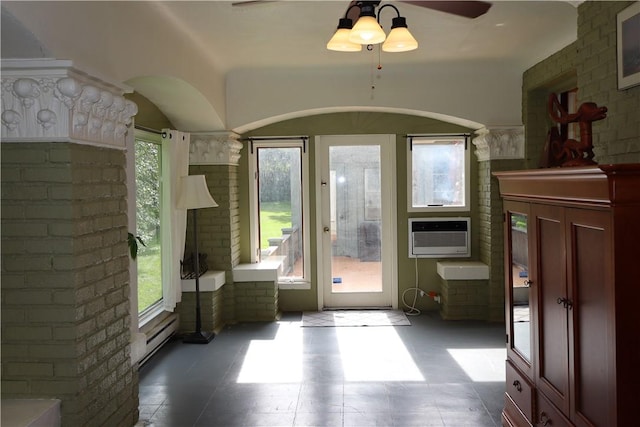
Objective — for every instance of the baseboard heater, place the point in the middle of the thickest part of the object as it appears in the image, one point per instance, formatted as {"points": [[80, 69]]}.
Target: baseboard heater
{"points": [[439, 237], [159, 334]]}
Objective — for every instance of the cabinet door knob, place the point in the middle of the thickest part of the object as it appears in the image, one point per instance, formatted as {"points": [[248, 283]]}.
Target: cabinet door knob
{"points": [[544, 419], [517, 385], [566, 303]]}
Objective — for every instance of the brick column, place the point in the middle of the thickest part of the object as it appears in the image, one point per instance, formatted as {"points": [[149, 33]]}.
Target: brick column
{"points": [[495, 148], [216, 155], [65, 280]]}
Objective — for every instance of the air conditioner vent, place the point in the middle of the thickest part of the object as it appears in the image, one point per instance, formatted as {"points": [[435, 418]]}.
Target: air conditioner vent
{"points": [[439, 237]]}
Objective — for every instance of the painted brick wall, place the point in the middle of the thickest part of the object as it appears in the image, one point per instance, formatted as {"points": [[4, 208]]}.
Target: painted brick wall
{"points": [[616, 139], [464, 299], [555, 74], [491, 234], [590, 65], [256, 301], [211, 309], [219, 237], [65, 290], [218, 228]]}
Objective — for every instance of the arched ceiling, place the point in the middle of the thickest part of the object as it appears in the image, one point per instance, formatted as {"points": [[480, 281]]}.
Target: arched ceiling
{"points": [[212, 66]]}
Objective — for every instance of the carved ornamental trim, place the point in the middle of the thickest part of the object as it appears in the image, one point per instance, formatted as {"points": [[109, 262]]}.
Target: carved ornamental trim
{"points": [[50, 100], [215, 148], [499, 143]]}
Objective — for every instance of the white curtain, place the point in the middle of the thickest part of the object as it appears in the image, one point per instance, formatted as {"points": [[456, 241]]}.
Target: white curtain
{"points": [[175, 159]]}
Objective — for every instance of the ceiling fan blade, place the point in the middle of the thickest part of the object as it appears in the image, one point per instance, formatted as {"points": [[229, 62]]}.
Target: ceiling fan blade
{"points": [[251, 2], [467, 9]]}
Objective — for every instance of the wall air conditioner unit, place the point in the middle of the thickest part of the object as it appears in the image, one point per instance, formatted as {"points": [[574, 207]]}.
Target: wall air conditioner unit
{"points": [[439, 237]]}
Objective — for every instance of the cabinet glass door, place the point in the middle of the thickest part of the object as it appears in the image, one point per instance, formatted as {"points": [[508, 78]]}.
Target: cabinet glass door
{"points": [[518, 259]]}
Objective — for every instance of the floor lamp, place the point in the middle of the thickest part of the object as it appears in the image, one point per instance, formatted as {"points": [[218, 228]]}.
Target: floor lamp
{"points": [[195, 195]]}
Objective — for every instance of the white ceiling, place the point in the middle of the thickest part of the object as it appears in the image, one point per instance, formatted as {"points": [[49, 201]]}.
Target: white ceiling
{"points": [[294, 33], [209, 65]]}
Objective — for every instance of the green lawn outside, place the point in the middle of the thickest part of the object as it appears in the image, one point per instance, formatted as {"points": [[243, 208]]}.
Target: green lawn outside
{"points": [[274, 216], [149, 276]]}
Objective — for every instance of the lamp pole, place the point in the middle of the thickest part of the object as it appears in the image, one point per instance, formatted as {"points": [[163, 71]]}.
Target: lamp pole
{"points": [[195, 195]]}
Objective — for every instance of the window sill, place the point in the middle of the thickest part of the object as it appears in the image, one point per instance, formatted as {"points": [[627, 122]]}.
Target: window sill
{"points": [[209, 282], [265, 271], [439, 209], [298, 286], [462, 270], [150, 314]]}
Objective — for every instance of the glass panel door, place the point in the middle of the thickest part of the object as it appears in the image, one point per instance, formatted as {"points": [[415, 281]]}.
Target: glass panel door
{"points": [[518, 260], [355, 269], [355, 213]]}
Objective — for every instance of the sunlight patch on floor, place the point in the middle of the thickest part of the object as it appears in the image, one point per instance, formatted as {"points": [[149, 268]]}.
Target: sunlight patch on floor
{"points": [[275, 361], [375, 354], [481, 364]]}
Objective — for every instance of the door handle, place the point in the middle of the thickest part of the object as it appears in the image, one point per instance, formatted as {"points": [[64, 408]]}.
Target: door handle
{"points": [[566, 302], [544, 419], [517, 385], [326, 229]]}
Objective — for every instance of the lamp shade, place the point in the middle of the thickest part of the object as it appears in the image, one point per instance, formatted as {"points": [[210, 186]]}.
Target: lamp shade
{"points": [[194, 193], [367, 31], [399, 39], [340, 40]]}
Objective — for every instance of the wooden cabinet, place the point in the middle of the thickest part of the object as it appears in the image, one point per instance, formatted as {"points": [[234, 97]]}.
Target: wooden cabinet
{"points": [[583, 286]]}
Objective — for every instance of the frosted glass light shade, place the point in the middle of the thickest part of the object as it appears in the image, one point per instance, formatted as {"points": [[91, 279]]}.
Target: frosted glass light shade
{"points": [[400, 40], [340, 42], [194, 193], [367, 31]]}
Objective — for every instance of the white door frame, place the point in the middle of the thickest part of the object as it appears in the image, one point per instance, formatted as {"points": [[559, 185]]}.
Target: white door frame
{"points": [[390, 218]]}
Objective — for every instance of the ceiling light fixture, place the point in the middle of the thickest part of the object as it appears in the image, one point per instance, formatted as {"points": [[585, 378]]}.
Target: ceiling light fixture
{"points": [[367, 31]]}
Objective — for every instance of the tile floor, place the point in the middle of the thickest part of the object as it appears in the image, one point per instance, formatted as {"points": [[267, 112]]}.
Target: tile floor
{"points": [[432, 373]]}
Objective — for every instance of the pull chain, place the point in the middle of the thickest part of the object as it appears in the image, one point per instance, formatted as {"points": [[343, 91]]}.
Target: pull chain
{"points": [[373, 86], [379, 67]]}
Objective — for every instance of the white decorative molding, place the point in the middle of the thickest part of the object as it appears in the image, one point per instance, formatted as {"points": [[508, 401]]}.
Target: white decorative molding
{"points": [[499, 143], [214, 148], [50, 100]]}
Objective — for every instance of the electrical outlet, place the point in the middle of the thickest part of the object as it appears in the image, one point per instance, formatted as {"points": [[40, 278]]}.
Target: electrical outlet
{"points": [[421, 293]]}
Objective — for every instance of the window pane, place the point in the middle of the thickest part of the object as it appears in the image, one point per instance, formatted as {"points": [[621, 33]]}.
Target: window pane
{"points": [[438, 172], [356, 214], [148, 175], [280, 208]]}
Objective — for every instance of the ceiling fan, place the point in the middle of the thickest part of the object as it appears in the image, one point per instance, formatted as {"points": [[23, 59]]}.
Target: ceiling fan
{"points": [[467, 9]]}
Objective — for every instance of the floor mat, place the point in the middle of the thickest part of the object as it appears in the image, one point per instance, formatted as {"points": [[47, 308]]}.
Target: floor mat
{"points": [[354, 318]]}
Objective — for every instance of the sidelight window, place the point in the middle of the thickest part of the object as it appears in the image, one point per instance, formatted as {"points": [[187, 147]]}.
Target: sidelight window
{"points": [[280, 207]]}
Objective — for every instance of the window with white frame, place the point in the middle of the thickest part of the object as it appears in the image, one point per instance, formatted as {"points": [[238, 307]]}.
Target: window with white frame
{"points": [[438, 173], [148, 175], [280, 170]]}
